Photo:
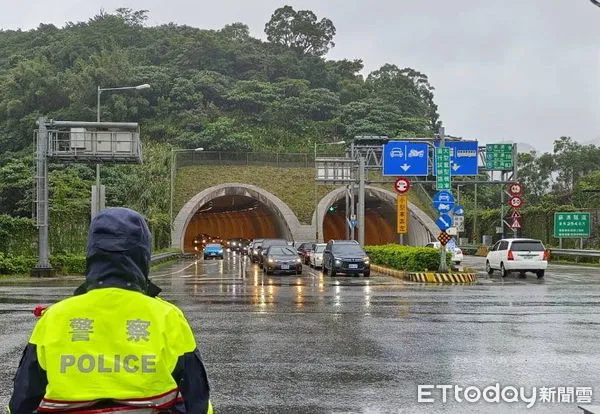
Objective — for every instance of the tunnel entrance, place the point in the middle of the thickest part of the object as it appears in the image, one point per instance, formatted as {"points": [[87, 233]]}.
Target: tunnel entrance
{"points": [[233, 210], [380, 222], [380, 219], [233, 216]]}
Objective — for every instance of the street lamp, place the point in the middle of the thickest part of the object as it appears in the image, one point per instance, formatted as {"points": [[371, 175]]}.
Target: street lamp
{"points": [[316, 199], [100, 90], [173, 168]]}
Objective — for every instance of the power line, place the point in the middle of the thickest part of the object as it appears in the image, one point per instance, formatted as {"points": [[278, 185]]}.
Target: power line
{"points": [[596, 2]]}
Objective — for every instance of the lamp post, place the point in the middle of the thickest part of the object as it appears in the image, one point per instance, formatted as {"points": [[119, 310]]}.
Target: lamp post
{"points": [[173, 169], [316, 199], [100, 90]]}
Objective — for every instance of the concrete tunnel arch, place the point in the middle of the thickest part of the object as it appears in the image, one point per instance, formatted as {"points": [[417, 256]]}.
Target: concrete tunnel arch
{"points": [[287, 221], [421, 228]]}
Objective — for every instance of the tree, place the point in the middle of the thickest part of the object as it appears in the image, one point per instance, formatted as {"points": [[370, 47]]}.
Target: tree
{"points": [[236, 31], [408, 90], [535, 173], [300, 30]]}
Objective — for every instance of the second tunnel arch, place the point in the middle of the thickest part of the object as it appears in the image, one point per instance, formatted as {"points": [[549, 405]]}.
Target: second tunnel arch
{"points": [[421, 230]]}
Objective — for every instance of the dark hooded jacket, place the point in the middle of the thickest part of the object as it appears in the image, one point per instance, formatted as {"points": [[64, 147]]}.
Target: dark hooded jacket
{"points": [[118, 255], [118, 252]]}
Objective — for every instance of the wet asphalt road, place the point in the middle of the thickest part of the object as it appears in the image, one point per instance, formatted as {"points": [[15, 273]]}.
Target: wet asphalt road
{"points": [[310, 344]]}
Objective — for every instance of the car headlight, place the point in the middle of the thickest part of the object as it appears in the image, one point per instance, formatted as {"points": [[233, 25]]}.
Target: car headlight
{"points": [[298, 260], [366, 260], [254, 251], [338, 262], [271, 261], [220, 252]]}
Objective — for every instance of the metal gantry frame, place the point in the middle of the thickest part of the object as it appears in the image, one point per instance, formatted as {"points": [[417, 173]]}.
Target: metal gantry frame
{"points": [[366, 153], [70, 142]]}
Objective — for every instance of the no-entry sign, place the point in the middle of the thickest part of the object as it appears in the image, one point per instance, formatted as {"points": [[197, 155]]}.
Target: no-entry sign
{"points": [[402, 185]]}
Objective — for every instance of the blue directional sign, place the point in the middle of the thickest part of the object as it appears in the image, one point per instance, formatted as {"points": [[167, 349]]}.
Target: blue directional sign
{"points": [[459, 210], [463, 157], [351, 223], [405, 158], [443, 201], [444, 222]]}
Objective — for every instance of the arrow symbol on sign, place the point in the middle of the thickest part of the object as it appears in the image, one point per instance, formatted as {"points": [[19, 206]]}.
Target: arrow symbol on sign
{"points": [[455, 167], [405, 167], [444, 221]]}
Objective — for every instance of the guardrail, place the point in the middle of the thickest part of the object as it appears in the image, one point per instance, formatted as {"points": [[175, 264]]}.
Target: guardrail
{"points": [[162, 257], [557, 252], [575, 252]]}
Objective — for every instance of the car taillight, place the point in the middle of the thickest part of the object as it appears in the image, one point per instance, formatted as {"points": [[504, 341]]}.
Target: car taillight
{"points": [[510, 255], [546, 255]]}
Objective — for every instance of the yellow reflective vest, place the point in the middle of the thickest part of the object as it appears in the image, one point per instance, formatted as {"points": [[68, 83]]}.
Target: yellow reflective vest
{"points": [[113, 344]]}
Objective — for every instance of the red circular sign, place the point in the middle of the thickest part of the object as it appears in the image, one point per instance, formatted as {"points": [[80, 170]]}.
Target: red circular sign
{"points": [[515, 201], [402, 185], [515, 189]]}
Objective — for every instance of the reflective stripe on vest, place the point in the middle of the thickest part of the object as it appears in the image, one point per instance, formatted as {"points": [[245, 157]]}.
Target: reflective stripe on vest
{"points": [[149, 404]]}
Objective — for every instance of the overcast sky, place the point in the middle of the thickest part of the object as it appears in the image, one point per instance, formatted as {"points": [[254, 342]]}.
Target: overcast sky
{"points": [[515, 70]]}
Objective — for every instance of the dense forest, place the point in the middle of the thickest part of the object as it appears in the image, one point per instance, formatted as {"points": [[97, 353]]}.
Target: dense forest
{"points": [[222, 90], [217, 89]]}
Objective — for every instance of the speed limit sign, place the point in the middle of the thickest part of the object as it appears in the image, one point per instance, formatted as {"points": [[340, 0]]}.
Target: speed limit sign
{"points": [[515, 201], [515, 189], [402, 185]]}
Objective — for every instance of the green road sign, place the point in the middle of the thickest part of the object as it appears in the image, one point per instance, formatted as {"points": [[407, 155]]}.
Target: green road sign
{"points": [[499, 156], [571, 224], [442, 169]]}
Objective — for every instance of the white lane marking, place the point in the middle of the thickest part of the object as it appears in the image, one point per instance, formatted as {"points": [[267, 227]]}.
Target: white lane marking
{"points": [[195, 263]]}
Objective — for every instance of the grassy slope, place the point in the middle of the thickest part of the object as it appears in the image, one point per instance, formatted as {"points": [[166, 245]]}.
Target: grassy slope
{"points": [[294, 186]]}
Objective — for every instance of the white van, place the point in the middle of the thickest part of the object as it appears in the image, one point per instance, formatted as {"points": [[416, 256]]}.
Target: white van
{"points": [[517, 255]]}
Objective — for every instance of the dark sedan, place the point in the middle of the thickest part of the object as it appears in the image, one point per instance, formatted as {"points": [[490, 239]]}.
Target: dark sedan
{"points": [[344, 256], [265, 246], [282, 259]]}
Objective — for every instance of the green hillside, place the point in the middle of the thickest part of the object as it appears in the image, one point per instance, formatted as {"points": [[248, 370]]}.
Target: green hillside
{"points": [[222, 90]]}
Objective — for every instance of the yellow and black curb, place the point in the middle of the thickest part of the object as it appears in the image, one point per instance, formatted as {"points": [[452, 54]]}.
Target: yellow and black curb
{"points": [[441, 277], [400, 274], [427, 277]]}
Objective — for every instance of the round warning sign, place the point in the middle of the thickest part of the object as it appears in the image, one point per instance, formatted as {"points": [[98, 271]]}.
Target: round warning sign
{"points": [[402, 185]]}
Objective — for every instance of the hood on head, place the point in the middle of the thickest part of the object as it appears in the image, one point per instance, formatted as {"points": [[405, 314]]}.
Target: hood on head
{"points": [[119, 251]]}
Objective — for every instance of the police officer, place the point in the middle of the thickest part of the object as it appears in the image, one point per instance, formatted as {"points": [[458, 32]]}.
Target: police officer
{"points": [[114, 347]]}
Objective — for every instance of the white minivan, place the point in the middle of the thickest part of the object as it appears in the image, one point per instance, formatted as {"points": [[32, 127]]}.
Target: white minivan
{"points": [[517, 255]]}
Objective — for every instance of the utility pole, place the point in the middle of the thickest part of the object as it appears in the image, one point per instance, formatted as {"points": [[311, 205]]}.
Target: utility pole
{"points": [[502, 206], [348, 216], [361, 201], [43, 267], [475, 232]]}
